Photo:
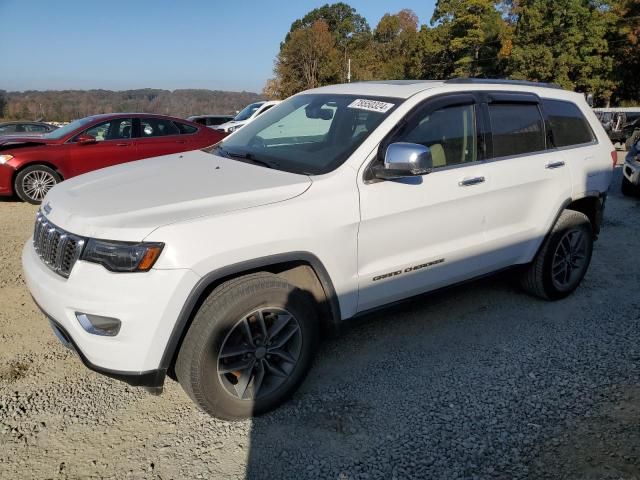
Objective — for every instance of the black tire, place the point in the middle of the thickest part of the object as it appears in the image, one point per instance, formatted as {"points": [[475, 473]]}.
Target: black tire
{"points": [[28, 191], [629, 189], [539, 279], [217, 320]]}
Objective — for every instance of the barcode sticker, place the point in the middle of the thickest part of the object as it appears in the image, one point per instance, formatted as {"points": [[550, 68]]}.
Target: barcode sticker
{"points": [[371, 105]]}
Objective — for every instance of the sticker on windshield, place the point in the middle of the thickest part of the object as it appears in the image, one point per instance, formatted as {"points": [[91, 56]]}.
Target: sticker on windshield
{"points": [[371, 105]]}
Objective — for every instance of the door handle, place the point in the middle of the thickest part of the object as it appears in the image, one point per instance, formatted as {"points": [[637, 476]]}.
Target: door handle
{"points": [[552, 165], [181, 141], [467, 182], [122, 144]]}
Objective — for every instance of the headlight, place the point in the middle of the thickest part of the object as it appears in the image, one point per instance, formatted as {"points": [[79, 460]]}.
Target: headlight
{"points": [[122, 256], [5, 158], [234, 128]]}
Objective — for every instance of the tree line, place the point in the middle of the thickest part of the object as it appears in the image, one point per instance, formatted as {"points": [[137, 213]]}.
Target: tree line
{"points": [[589, 46], [67, 105]]}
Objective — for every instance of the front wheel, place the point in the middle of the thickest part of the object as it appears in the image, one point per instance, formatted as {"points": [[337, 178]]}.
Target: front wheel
{"points": [[34, 182], [249, 347], [563, 260]]}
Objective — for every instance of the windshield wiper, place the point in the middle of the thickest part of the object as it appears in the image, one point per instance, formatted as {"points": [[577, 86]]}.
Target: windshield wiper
{"points": [[246, 156]]}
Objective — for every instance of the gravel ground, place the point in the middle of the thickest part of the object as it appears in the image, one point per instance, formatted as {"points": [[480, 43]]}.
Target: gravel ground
{"points": [[482, 381]]}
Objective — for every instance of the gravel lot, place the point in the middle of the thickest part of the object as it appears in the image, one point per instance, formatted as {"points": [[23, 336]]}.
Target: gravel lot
{"points": [[482, 381]]}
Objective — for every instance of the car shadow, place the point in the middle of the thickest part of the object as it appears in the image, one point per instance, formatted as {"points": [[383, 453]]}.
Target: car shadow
{"points": [[459, 383]]}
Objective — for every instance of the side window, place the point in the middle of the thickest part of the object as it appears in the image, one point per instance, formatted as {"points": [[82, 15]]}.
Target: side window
{"points": [[516, 129], [264, 110], [568, 125], [450, 133], [157, 127], [11, 128], [112, 130], [185, 129], [36, 128]]}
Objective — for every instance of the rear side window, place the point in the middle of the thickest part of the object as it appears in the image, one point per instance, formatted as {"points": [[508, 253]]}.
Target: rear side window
{"points": [[568, 125], [517, 129], [157, 127], [185, 129]]}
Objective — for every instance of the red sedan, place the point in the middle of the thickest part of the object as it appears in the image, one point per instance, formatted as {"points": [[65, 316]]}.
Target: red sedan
{"points": [[30, 166]]}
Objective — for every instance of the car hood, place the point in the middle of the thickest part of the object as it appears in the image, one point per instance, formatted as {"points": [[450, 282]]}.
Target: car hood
{"points": [[9, 141], [129, 201]]}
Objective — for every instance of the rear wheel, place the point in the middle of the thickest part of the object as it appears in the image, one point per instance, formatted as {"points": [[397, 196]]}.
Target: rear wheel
{"points": [[34, 182], [249, 347], [563, 260]]}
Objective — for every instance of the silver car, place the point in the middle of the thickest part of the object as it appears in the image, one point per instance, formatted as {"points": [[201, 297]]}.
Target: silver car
{"points": [[25, 129]]}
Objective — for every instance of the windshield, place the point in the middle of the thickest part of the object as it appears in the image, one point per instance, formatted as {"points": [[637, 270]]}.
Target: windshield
{"points": [[67, 129], [311, 134], [247, 111]]}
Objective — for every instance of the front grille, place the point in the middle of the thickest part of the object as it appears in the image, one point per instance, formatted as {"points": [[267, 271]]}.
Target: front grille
{"points": [[57, 248]]}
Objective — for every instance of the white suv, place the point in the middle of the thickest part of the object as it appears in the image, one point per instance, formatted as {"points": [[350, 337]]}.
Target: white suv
{"points": [[247, 115], [221, 268]]}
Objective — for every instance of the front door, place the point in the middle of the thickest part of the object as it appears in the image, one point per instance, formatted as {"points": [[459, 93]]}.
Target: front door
{"points": [[114, 144], [421, 233]]}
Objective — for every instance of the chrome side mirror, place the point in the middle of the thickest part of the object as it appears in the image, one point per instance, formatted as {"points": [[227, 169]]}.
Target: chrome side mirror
{"points": [[404, 160]]}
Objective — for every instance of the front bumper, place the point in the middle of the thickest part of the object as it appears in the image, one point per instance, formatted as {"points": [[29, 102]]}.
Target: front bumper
{"points": [[6, 179], [148, 305], [631, 171]]}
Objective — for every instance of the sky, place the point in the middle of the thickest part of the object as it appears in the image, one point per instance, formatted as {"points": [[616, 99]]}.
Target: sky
{"points": [[168, 44]]}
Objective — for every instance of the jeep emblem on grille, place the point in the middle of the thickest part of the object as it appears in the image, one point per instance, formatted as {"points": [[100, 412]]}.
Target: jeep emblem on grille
{"points": [[47, 208]]}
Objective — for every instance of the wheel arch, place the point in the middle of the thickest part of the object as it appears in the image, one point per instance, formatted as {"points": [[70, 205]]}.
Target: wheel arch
{"points": [[33, 163], [302, 269], [592, 206]]}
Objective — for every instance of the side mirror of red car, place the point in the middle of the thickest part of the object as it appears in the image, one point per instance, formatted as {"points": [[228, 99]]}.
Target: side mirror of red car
{"points": [[85, 139]]}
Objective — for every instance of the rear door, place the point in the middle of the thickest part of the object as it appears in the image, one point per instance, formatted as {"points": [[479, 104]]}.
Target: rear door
{"points": [[114, 145], [529, 180], [160, 136]]}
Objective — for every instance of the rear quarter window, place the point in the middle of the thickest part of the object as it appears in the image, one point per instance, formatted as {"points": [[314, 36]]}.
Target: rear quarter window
{"points": [[185, 129], [567, 124]]}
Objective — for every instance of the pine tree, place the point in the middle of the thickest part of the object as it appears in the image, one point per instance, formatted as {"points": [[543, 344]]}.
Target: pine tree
{"points": [[563, 41]]}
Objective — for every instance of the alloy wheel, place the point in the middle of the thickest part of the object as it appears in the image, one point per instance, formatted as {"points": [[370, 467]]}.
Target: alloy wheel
{"points": [[569, 260], [260, 353], [37, 183]]}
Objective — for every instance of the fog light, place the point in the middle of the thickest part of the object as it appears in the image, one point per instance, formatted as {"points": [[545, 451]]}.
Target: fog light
{"points": [[97, 325]]}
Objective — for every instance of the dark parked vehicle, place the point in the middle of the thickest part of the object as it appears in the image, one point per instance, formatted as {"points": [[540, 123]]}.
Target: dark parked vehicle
{"points": [[631, 133], [211, 120], [31, 166], [621, 124], [25, 129]]}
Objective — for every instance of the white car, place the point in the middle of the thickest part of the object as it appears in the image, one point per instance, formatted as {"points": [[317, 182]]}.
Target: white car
{"points": [[221, 268], [247, 115]]}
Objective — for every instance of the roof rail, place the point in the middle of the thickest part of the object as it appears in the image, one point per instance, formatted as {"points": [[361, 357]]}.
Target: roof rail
{"points": [[503, 81]]}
